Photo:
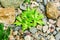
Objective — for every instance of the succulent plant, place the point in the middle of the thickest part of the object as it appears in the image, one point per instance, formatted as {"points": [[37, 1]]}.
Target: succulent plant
{"points": [[29, 18], [4, 33]]}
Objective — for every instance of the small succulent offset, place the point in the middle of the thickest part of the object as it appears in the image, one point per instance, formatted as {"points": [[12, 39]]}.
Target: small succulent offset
{"points": [[29, 18]]}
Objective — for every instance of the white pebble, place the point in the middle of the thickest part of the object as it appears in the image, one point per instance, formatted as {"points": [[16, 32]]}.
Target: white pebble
{"points": [[28, 37], [45, 28]]}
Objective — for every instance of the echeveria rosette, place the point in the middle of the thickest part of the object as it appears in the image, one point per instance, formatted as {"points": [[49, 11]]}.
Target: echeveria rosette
{"points": [[29, 18]]}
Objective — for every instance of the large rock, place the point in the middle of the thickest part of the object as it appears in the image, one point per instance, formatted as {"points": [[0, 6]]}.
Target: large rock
{"points": [[11, 3], [51, 10], [7, 15]]}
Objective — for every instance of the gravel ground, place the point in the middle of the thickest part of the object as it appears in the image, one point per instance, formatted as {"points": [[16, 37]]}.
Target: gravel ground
{"points": [[51, 29]]}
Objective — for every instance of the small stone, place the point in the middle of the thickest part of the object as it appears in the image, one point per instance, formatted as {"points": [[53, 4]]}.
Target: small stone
{"points": [[51, 29], [42, 38], [48, 31], [17, 28], [33, 30], [39, 27], [52, 37], [15, 33], [26, 31], [48, 36], [42, 7], [18, 12], [45, 20], [38, 10], [39, 1], [52, 21], [55, 32], [45, 34], [23, 7], [58, 29], [58, 22], [17, 37], [20, 31], [45, 2], [34, 4], [11, 37], [58, 36], [28, 37], [45, 28], [50, 25], [37, 36]]}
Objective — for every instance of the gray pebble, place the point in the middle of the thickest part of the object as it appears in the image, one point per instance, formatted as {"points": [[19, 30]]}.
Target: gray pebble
{"points": [[55, 32], [17, 28], [45, 20], [23, 7], [42, 7], [39, 35], [58, 8], [39, 1], [45, 2], [58, 36], [26, 31], [58, 29], [33, 30]]}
